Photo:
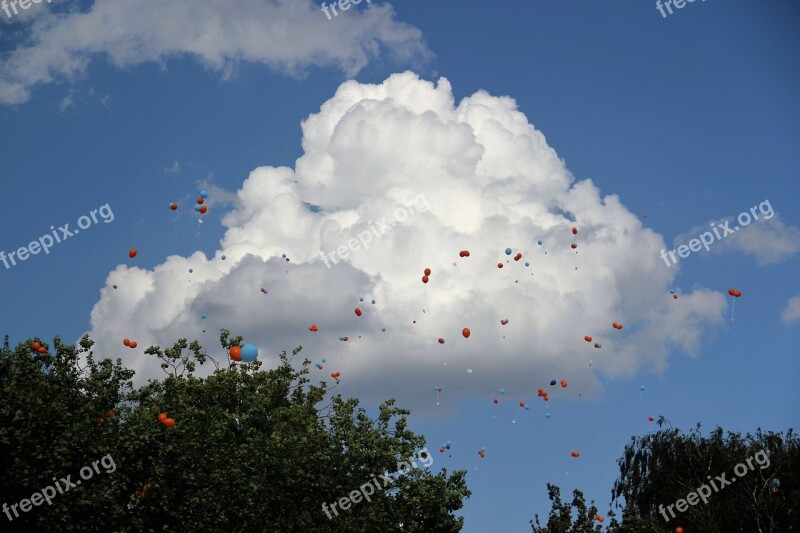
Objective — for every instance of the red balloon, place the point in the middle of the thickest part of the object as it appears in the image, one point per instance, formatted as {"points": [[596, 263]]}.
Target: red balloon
{"points": [[439, 389], [101, 421], [465, 332], [358, 311], [674, 296], [574, 231], [599, 518], [313, 327], [200, 200], [169, 423], [522, 404], [575, 454], [132, 253], [738, 293], [564, 383], [587, 338], [126, 342], [518, 256], [173, 206], [203, 209], [441, 450], [424, 279], [573, 245], [499, 265], [441, 340], [162, 417], [495, 400], [345, 339], [678, 530], [133, 344], [732, 292], [42, 349], [35, 345], [650, 418], [427, 271], [110, 414], [236, 353]]}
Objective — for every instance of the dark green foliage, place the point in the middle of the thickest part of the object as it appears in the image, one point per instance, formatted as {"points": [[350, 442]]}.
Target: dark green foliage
{"points": [[252, 450]]}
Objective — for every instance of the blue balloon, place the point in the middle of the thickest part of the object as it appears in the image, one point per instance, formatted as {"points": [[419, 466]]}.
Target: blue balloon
{"points": [[483, 449], [203, 316], [527, 264], [284, 256], [197, 207], [502, 391], [449, 442], [552, 382], [323, 360], [223, 258], [191, 270], [204, 194], [641, 387], [547, 415], [361, 299], [249, 353], [373, 302], [527, 407], [383, 329], [508, 251], [540, 243], [776, 482]]}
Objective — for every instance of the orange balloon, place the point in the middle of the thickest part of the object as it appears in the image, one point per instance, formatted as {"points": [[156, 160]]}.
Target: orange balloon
{"points": [[358, 311], [126, 342], [35, 345], [599, 518], [162, 417], [678, 530], [575, 454], [738, 293], [203, 209], [427, 271], [522, 404], [465, 332], [42, 349], [732, 292], [564, 383], [132, 253], [200, 200], [133, 344], [587, 338], [169, 423], [173, 206], [236, 353]]}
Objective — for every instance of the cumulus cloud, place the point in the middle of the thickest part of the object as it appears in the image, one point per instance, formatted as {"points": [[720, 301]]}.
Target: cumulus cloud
{"points": [[286, 35], [792, 311], [759, 233], [489, 181]]}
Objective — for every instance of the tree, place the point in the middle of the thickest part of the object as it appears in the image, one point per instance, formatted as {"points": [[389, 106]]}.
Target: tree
{"points": [[561, 515], [251, 450]]}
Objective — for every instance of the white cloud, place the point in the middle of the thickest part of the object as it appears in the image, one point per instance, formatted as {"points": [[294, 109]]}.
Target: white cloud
{"points": [[286, 35], [792, 311], [491, 182]]}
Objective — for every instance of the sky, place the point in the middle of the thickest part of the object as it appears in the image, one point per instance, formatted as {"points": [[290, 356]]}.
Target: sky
{"points": [[428, 128]]}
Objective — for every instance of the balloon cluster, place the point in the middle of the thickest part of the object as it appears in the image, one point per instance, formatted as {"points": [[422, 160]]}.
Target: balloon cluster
{"points": [[425, 274], [166, 421], [129, 343], [199, 206], [244, 354], [38, 348], [616, 325], [734, 293]]}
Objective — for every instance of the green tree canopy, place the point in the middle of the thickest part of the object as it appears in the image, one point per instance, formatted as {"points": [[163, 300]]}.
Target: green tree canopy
{"points": [[251, 450]]}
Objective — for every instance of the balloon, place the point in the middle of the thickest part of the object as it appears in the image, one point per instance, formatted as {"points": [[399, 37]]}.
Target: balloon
{"points": [[499, 265], [495, 400], [679, 530], [191, 270], [197, 207], [441, 340], [358, 311], [502, 391], [574, 231], [162, 417], [223, 258], [132, 253], [552, 382], [465, 332], [732, 292], [587, 338], [599, 518], [650, 418], [540, 243], [42, 349], [573, 245], [575, 454], [427, 271], [373, 302], [564, 383], [508, 251], [675, 296], [133, 344], [35, 345], [283, 255], [522, 404], [424, 279], [203, 316], [126, 342], [547, 415], [249, 353], [235, 353], [169, 423], [641, 387], [383, 329], [313, 327], [204, 194], [173, 206], [527, 264], [463, 253], [518, 256], [345, 338], [200, 200], [203, 209]]}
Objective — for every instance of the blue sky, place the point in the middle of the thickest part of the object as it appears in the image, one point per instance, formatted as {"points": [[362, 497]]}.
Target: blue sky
{"points": [[687, 119]]}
